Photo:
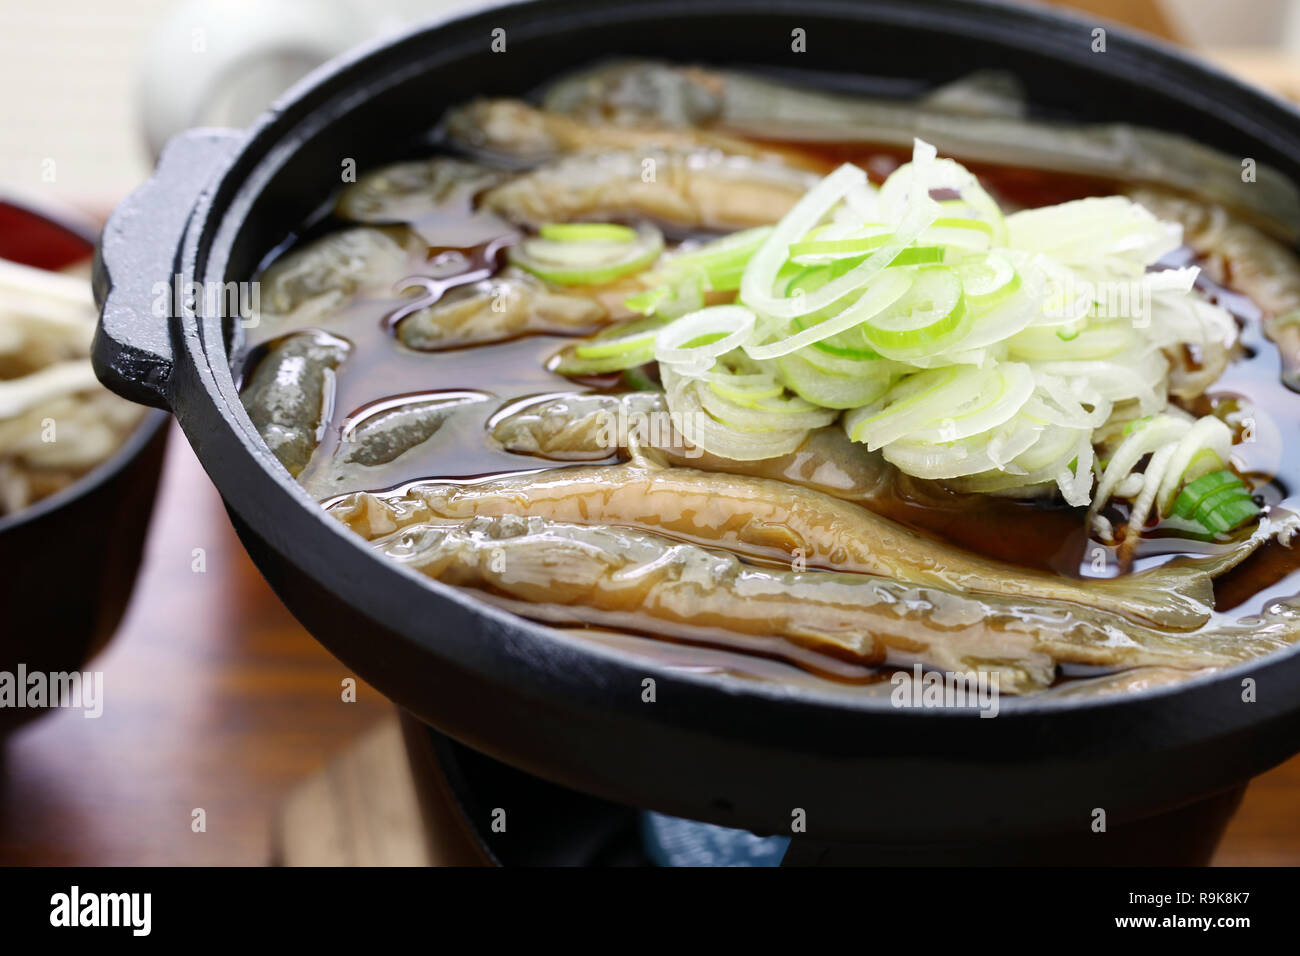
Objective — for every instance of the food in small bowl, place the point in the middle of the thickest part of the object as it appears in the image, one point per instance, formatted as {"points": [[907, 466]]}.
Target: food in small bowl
{"points": [[693, 356], [56, 421]]}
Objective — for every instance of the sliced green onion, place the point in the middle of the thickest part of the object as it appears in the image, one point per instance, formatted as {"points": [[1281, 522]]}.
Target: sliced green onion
{"points": [[1202, 450], [1231, 515], [945, 408], [702, 429], [637, 380], [897, 190], [720, 263], [587, 232], [648, 302], [851, 248], [848, 344], [851, 344], [781, 413], [1105, 236], [881, 291], [923, 320], [633, 342], [1190, 499], [670, 302], [1155, 434], [1216, 499], [750, 394], [612, 349], [697, 339], [960, 232], [682, 278], [1218, 502], [759, 281], [758, 284], [919, 401], [988, 282], [567, 362], [953, 342], [964, 224], [588, 261], [864, 383], [1092, 342], [814, 277]]}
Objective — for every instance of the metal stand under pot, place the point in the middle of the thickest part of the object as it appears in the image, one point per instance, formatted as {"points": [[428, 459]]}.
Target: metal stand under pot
{"points": [[511, 818]]}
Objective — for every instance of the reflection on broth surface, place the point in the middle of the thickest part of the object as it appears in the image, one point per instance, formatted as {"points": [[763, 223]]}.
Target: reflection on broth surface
{"points": [[865, 533]]}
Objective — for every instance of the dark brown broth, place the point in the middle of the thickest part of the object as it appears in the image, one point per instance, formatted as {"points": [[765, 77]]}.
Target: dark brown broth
{"points": [[1033, 535]]}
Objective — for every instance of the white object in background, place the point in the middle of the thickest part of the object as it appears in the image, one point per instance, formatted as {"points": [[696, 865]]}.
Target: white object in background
{"points": [[221, 62]]}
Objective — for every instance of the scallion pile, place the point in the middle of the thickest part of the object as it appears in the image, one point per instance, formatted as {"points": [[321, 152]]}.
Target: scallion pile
{"points": [[966, 346]]}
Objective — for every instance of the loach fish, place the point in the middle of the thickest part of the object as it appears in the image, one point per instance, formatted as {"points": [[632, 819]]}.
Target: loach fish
{"points": [[688, 190], [573, 426], [771, 520], [323, 274], [289, 394], [435, 197], [632, 579], [1239, 256], [636, 92], [404, 192], [508, 305], [518, 134], [381, 432], [390, 428]]}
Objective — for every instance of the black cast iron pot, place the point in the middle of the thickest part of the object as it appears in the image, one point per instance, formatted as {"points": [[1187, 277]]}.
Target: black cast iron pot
{"points": [[712, 748]]}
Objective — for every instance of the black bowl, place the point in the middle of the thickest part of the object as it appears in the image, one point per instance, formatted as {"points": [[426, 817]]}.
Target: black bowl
{"points": [[68, 562], [712, 748]]}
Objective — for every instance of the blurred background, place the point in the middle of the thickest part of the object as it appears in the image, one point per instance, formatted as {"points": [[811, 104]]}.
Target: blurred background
{"points": [[217, 700], [79, 94]]}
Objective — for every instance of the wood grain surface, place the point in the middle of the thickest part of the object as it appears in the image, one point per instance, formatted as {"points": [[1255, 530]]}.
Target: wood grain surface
{"points": [[215, 698]]}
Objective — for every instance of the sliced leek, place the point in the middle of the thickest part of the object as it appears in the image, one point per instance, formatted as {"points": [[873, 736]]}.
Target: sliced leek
{"points": [[965, 346]]}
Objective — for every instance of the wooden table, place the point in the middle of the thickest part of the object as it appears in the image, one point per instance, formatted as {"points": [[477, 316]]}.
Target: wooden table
{"points": [[215, 698]]}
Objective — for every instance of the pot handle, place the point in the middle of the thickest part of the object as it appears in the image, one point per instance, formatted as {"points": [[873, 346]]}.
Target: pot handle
{"points": [[137, 255]]}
